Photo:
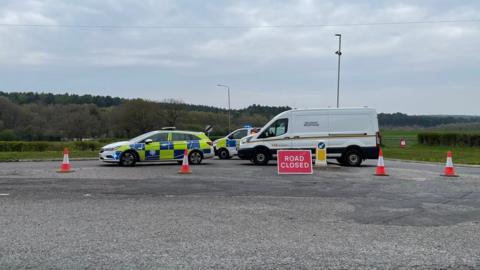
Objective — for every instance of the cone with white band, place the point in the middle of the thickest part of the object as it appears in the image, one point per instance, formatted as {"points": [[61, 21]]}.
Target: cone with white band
{"points": [[65, 168], [185, 166], [380, 165], [449, 170]]}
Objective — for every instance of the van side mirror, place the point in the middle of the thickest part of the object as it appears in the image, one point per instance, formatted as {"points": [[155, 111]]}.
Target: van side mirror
{"points": [[147, 141]]}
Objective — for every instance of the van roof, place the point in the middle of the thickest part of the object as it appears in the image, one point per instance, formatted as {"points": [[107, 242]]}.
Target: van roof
{"points": [[334, 109]]}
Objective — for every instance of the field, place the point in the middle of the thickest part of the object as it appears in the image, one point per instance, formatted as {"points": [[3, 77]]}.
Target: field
{"points": [[414, 151], [390, 140]]}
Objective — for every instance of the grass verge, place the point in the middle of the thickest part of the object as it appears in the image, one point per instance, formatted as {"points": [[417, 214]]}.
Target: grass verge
{"points": [[418, 152], [461, 155], [49, 155]]}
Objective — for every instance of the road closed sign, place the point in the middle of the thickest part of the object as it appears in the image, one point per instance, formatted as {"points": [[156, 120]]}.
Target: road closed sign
{"points": [[294, 162]]}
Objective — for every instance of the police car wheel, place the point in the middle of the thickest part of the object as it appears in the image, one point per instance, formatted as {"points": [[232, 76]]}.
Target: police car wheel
{"points": [[223, 154], [260, 157], [353, 158], [128, 159], [195, 157]]}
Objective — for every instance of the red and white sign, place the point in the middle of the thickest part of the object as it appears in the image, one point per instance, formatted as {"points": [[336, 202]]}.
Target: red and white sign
{"points": [[294, 162], [403, 143]]}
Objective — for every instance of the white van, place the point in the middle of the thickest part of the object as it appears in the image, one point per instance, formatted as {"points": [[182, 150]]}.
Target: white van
{"points": [[351, 135]]}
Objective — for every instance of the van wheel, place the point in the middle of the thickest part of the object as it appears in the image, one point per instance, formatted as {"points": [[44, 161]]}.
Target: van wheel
{"points": [[128, 159], [352, 158], [223, 154], [261, 157], [195, 158]]}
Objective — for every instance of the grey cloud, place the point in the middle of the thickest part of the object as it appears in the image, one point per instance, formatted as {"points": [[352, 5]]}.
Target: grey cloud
{"points": [[287, 66]]}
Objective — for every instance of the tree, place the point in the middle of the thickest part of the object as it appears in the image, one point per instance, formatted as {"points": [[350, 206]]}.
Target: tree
{"points": [[174, 109], [135, 117]]}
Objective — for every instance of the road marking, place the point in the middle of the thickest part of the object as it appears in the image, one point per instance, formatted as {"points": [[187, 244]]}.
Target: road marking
{"points": [[418, 179], [4, 194], [87, 195]]}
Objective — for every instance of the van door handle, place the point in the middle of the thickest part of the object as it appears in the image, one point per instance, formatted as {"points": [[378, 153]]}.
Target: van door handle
{"points": [[296, 137]]}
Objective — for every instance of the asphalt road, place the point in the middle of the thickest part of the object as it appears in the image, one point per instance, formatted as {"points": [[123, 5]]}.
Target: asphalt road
{"points": [[230, 214]]}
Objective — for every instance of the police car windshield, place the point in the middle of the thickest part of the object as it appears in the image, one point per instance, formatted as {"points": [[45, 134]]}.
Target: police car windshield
{"points": [[143, 136]]}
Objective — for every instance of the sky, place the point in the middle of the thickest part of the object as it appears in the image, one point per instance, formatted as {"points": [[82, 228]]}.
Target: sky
{"points": [[162, 49]]}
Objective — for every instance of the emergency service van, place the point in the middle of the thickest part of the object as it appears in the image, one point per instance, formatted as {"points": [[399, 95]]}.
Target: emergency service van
{"points": [[351, 135], [160, 145], [227, 147]]}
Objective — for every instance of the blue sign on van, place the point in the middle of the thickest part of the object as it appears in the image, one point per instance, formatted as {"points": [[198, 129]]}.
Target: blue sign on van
{"points": [[321, 145]]}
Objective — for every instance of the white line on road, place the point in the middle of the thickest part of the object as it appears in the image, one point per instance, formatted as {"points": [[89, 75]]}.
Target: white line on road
{"points": [[4, 194]]}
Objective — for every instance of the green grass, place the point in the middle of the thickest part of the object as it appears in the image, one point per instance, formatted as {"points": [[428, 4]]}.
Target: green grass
{"points": [[415, 151], [57, 155]]}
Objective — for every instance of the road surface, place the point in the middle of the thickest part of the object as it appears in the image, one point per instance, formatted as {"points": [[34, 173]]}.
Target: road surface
{"points": [[231, 214]]}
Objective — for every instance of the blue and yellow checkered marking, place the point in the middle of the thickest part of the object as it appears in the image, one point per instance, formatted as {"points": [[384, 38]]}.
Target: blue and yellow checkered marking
{"points": [[166, 146], [138, 146], [164, 150], [152, 155], [178, 154], [193, 145], [231, 143]]}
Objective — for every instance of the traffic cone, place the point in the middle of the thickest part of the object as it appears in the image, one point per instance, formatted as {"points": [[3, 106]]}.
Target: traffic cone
{"points": [[380, 165], [65, 168], [449, 169], [185, 167]]}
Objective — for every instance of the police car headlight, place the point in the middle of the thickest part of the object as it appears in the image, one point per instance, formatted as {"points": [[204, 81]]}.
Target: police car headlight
{"points": [[110, 148]]}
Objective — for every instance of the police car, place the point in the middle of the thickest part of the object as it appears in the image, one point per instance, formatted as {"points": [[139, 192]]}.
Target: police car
{"points": [[161, 145], [227, 147]]}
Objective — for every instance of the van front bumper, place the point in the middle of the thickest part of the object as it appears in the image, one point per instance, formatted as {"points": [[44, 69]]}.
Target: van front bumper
{"points": [[245, 153]]}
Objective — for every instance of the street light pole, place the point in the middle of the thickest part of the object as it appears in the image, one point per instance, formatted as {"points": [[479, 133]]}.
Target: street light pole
{"points": [[229, 118], [339, 53]]}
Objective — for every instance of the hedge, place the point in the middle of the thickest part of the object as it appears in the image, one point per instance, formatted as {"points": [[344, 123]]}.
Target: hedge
{"points": [[449, 139], [17, 146]]}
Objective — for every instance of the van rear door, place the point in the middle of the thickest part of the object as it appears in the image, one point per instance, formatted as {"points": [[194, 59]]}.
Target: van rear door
{"points": [[348, 125]]}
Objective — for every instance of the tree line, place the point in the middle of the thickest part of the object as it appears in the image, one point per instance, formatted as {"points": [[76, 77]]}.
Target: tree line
{"points": [[61, 99], [32, 116], [46, 116]]}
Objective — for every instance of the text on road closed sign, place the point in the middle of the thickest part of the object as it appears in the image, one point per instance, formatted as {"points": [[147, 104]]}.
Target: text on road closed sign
{"points": [[294, 162]]}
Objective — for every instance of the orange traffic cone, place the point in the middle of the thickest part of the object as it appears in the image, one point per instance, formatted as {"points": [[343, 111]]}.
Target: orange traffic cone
{"points": [[185, 167], [449, 169], [380, 165], [65, 168]]}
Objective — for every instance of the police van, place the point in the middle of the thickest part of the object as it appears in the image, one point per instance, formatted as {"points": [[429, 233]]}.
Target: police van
{"points": [[227, 147], [351, 135]]}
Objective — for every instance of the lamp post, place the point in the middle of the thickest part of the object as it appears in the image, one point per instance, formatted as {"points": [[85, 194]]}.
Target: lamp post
{"points": [[339, 53], [228, 90]]}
